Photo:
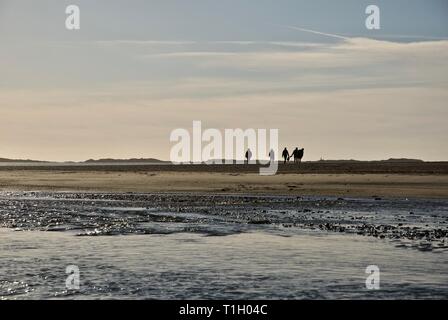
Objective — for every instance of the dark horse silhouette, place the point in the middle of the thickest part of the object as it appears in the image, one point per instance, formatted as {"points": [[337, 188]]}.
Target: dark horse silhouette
{"points": [[298, 155]]}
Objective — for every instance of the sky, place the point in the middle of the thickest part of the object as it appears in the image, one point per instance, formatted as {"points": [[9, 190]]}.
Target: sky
{"points": [[137, 70]]}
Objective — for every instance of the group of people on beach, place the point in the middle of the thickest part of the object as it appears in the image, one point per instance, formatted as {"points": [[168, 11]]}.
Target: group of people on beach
{"points": [[297, 154]]}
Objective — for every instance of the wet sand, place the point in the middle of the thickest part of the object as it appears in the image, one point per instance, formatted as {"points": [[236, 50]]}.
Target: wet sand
{"points": [[175, 179], [241, 266], [205, 246]]}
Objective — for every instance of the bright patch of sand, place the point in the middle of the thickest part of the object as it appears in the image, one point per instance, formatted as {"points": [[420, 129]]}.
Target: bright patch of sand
{"points": [[357, 185]]}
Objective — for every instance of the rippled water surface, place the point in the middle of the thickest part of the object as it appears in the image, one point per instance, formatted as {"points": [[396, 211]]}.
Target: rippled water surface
{"points": [[183, 246]]}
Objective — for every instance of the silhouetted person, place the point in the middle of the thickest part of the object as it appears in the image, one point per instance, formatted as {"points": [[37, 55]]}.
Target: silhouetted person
{"points": [[248, 155], [295, 154], [285, 155], [272, 155]]}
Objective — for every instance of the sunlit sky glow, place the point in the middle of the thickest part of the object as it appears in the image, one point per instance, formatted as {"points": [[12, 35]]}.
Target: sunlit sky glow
{"points": [[139, 69]]}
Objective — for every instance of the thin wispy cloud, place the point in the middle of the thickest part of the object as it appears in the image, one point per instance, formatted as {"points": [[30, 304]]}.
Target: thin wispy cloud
{"points": [[142, 42], [318, 32]]}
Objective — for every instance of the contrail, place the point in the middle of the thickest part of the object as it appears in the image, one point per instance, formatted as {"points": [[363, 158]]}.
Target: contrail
{"points": [[318, 32], [379, 36]]}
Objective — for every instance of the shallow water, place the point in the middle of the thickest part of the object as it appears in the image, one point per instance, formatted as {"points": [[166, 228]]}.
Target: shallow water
{"points": [[181, 246]]}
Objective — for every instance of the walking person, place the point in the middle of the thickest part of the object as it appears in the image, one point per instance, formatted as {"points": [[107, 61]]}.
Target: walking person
{"points": [[295, 154], [248, 155], [285, 155], [271, 155]]}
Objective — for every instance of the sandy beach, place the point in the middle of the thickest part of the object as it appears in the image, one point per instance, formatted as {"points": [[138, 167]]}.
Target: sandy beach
{"points": [[196, 231], [426, 180]]}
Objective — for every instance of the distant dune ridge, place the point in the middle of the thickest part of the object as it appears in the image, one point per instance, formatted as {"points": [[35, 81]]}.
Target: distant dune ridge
{"points": [[390, 166], [104, 160], [154, 160], [132, 160], [21, 161], [394, 160]]}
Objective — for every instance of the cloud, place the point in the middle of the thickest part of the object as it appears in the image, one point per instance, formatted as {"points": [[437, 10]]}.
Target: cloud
{"points": [[141, 42], [414, 61], [331, 35], [350, 51], [354, 98]]}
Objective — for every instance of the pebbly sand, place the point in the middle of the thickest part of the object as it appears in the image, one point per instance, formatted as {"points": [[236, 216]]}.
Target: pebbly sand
{"points": [[208, 246]]}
